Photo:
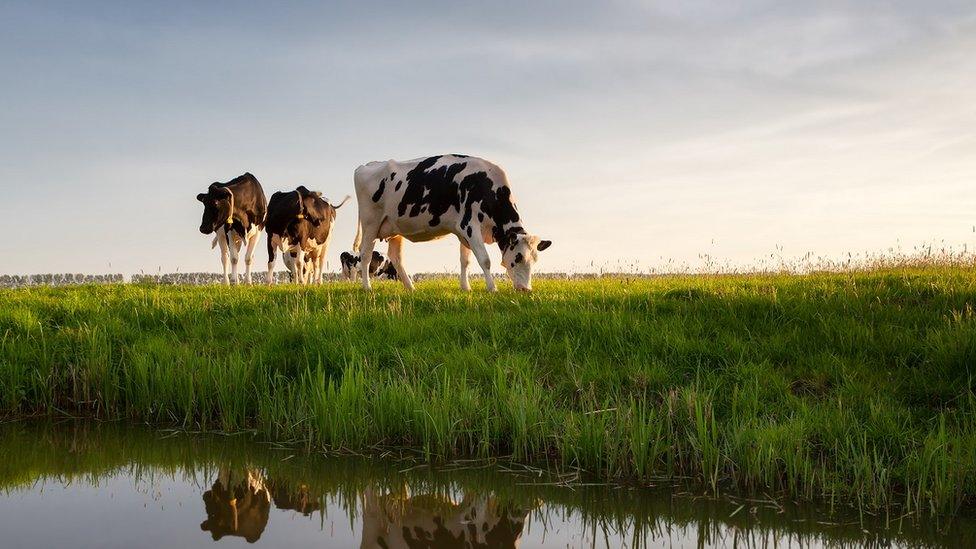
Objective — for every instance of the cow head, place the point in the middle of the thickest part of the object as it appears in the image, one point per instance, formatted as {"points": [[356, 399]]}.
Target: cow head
{"points": [[314, 208], [218, 208], [519, 254]]}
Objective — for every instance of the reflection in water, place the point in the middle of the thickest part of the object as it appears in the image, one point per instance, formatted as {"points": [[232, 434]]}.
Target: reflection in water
{"points": [[396, 520], [151, 482], [239, 502], [237, 505], [297, 499]]}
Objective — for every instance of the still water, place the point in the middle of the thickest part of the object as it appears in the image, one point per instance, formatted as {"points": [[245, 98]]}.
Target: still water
{"points": [[74, 484]]}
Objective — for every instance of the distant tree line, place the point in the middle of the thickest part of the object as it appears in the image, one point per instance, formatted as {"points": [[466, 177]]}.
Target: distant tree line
{"points": [[200, 279]]}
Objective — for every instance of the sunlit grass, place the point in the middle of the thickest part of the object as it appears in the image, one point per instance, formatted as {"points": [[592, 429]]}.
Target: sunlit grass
{"points": [[846, 386]]}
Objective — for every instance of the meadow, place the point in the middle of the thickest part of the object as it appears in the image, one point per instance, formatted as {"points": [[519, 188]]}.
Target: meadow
{"points": [[851, 388]]}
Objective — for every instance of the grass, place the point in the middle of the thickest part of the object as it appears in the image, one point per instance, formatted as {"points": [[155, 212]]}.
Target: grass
{"points": [[851, 387]]}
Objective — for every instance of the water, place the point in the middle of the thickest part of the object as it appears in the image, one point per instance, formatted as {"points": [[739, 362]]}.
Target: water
{"points": [[75, 484]]}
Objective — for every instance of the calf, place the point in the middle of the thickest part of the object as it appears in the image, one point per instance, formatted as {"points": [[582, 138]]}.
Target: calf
{"points": [[378, 266], [300, 225], [428, 198], [236, 212]]}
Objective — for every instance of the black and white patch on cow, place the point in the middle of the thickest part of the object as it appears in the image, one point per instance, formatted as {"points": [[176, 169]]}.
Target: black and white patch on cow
{"points": [[379, 266], [428, 198], [300, 225], [236, 212]]}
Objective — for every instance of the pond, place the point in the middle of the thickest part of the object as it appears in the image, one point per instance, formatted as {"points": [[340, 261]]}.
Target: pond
{"points": [[81, 484]]}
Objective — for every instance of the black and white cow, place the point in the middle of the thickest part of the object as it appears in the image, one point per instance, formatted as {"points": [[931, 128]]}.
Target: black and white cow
{"points": [[378, 266], [428, 198], [300, 225], [235, 211]]}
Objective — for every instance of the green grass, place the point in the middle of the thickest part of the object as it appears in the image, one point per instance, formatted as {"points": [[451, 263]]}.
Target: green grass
{"points": [[854, 387]]}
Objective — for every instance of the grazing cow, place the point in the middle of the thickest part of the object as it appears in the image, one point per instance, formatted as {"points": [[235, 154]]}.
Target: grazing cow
{"points": [[235, 211], [428, 198], [300, 225], [378, 266], [396, 521]]}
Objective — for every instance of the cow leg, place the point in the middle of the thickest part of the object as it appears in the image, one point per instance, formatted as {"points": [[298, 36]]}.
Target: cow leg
{"points": [[272, 253], [319, 263], [235, 254], [289, 258], [249, 255], [224, 255], [481, 254], [368, 243], [465, 260], [395, 251], [313, 269], [320, 260], [300, 265]]}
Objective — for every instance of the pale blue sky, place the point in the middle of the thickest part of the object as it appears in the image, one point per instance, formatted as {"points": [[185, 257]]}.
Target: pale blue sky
{"points": [[631, 131]]}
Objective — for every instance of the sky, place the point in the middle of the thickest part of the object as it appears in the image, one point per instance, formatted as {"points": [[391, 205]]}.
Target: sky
{"points": [[635, 135]]}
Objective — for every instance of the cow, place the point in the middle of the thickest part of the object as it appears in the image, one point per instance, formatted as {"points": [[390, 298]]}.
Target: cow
{"points": [[235, 211], [378, 266], [300, 225], [428, 198], [398, 521]]}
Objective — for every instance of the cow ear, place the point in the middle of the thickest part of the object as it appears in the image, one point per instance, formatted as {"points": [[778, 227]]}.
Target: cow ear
{"points": [[302, 190], [543, 244], [202, 196]]}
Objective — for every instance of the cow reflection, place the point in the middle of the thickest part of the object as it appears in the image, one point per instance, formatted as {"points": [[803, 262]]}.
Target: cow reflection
{"points": [[290, 498], [237, 505], [395, 521]]}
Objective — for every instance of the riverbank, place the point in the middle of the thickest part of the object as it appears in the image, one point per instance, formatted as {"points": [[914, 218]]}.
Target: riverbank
{"points": [[847, 387]]}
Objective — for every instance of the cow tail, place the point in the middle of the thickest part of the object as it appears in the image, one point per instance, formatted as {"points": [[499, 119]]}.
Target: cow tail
{"points": [[359, 238], [344, 200]]}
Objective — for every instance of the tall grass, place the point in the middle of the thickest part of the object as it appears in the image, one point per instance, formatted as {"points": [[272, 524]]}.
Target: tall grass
{"points": [[854, 387]]}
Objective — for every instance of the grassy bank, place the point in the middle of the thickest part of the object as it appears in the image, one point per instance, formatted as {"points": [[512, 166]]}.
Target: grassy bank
{"points": [[853, 387]]}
